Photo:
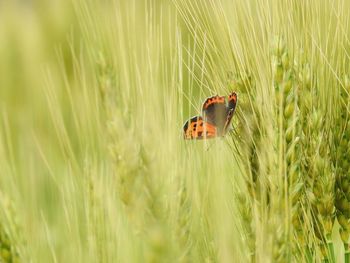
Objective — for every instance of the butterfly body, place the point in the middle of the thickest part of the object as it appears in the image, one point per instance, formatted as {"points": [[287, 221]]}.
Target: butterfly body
{"points": [[216, 117]]}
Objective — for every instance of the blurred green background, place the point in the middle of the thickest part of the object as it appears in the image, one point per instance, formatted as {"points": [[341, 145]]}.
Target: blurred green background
{"points": [[93, 96]]}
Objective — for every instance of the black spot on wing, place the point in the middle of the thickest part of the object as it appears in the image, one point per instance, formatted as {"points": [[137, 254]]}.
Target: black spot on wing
{"points": [[193, 119]]}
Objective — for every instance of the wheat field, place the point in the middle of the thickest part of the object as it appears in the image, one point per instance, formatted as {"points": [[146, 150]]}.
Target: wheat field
{"points": [[93, 163]]}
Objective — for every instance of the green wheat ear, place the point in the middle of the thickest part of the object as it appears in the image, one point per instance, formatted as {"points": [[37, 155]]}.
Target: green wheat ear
{"points": [[316, 166], [341, 162], [246, 138], [288, 126], [245, 210], [9, 251]]}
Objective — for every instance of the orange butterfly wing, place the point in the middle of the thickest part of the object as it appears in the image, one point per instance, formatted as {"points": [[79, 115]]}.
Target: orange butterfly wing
{"points": [[197, 128], [217, 116]]}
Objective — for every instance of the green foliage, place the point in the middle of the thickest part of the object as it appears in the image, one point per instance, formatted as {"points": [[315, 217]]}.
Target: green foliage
{"points": [[94, 168]]}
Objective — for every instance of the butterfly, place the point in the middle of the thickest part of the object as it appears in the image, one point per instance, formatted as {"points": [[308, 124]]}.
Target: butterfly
{"points": [[215, 120]]}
